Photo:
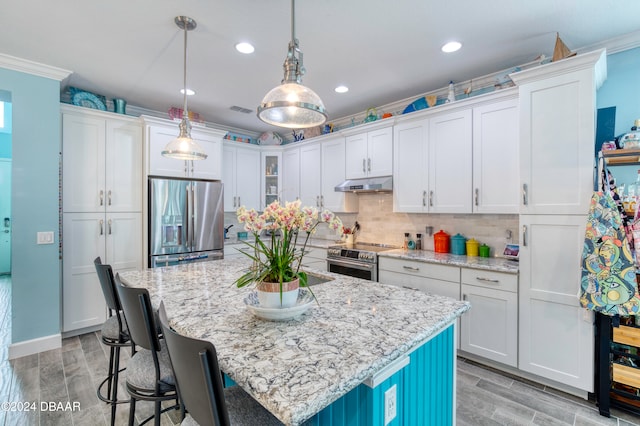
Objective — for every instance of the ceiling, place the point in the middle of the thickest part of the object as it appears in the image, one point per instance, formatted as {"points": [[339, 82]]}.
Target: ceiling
{"points": [[384, 51]]}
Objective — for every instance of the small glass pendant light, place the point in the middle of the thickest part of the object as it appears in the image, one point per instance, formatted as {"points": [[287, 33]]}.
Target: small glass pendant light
{"points": [[184, 147], [291, 104]]}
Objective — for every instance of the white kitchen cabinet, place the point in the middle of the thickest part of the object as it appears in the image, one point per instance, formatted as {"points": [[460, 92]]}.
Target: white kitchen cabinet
{"points": [[241, 176], [490, 328], [432, 164], [450, 162], [557, 133], [102, 207], [496, 170], [556, 334], [315, 258], [158, 133], [332, 174], [369, 154], [410, 175], [271, 176], [321, 170], [102, 162], [116, 238], [310, 175], [443, 280], [290, 175]]}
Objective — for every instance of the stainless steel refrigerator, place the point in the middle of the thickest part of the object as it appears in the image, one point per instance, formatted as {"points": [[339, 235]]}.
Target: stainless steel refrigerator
{"points": [[186, 220]]}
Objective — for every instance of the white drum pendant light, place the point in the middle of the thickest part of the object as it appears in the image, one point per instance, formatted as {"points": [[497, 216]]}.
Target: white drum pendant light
{"points": [[291, 104], [183, 147]]}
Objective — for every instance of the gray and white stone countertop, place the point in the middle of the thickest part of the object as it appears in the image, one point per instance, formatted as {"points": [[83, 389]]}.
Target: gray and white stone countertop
{"points": [[487, 263], [313, 242], [298, 367]]}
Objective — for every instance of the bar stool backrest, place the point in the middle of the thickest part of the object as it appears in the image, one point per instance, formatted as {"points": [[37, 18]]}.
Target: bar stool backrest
{"points": [[136, 305]]}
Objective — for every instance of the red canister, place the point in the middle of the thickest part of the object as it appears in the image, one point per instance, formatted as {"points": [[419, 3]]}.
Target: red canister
{"points": [[441, 242]]}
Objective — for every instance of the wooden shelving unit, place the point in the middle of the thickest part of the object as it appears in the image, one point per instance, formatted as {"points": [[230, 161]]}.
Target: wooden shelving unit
{"points": [[619, 364], [619, 157]]}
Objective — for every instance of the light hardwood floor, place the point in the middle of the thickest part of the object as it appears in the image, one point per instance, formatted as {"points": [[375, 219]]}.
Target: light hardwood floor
{"points": [[72, 373]]}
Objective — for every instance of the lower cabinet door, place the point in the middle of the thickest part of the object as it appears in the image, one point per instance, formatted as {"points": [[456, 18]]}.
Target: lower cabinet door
{"points": [[490, 328], [83, 303]]}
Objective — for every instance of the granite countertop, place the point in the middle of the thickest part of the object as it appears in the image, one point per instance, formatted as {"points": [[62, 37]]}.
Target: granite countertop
{"points": [[487, 263], [297, 368], [313, 242]]}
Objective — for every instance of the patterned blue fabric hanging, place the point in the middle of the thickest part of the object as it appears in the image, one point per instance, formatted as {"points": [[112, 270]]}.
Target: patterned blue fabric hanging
{"points": [[608, 282]]}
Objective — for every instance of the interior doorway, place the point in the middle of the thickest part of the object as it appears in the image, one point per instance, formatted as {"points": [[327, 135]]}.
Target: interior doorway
{"points": [[6, 219]]}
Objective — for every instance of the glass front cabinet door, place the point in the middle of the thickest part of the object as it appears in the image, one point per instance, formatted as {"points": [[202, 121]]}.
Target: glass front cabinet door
{"points": [[271, 181]]}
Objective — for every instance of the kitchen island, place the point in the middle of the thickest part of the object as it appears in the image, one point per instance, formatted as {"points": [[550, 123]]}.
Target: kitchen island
{"points": [[362, 340]]}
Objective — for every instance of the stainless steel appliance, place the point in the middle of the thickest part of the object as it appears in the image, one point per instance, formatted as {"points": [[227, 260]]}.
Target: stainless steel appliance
{"points": [[360, 260], [185, 220]]}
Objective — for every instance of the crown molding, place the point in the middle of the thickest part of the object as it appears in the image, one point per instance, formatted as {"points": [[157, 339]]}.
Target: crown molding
{"points": [[34, 68]]}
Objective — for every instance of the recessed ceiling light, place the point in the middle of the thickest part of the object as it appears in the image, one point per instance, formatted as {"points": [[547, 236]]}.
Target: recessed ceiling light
{"points": [[189, 92], [452, 46], [245, 48], [341, 89]]}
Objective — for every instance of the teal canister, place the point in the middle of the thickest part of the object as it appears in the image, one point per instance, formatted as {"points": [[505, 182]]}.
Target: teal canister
{"points": [[485, 250], [458, 243]]}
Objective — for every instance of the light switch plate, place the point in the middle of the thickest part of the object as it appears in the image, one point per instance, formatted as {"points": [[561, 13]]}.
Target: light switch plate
{"points": [[45, 237]]}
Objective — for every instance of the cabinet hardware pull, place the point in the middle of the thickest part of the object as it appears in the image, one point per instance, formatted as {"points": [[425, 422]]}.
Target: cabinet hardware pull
{"points": [[464, 297], [525, 201], [317, 201], [322, 201], [476, 201], [239, 202], [235, 201], [101, 227], [411, 268], [109, 226], [101, 197], [364, 165], [368, 164], [109, 197], [489, 280], [524, 235], [430, 198], [424, 198]]}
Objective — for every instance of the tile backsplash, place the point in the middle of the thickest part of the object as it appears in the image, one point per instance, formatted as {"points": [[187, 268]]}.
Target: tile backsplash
{"points": [[379, 224]]}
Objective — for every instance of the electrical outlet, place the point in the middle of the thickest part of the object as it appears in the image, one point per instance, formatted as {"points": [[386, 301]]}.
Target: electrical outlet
{"points": [[390, 405]]}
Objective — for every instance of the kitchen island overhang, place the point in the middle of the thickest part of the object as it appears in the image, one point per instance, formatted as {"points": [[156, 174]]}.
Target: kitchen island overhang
{"points": [[298, 369]]}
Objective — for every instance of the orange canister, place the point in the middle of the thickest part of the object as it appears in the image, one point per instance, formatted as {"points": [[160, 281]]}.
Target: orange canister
{"points": [[472, 247], [441, 242]]}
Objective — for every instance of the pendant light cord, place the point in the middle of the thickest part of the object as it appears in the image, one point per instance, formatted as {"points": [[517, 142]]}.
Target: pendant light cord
{"points": [[185, 112]]}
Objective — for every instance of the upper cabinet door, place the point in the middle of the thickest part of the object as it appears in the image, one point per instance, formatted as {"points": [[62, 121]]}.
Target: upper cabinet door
{"points": [[496, 187], [123, 167], [210, 140], [356, 156], [450, 145], [248, 178], [333, 165], [310, 177], [290, 175], [380, 152], [83, 168], [410, 171], [557, 136]]}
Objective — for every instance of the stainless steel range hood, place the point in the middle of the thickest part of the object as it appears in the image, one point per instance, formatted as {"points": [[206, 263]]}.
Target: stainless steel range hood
{"points": [[374, 184]]}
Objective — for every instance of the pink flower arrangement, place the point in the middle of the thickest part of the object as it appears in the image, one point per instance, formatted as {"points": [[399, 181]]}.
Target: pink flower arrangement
{"points": [[279, 260]]}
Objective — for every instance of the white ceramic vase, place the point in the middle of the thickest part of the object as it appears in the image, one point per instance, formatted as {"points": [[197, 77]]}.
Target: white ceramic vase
{"points": [[269, 294]]}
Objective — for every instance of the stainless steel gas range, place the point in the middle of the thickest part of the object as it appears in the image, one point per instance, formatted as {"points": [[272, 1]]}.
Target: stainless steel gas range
{"points": [[359, 260]]}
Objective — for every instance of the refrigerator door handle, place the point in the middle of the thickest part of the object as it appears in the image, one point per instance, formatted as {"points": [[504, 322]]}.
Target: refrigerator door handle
{"points": [[192, 216]]}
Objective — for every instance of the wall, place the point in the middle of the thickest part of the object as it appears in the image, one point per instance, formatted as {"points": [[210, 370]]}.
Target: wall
{"points": [[36, 148]]}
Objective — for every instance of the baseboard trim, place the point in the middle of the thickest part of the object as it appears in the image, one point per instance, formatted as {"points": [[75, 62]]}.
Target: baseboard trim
{"points": [[33, 346]]}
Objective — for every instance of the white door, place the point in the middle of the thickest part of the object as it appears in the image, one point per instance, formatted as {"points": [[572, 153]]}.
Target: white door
{"points": [[248, 178], [556, 335], [450, 163], [310, 185], [123, 241], [5, 216], [410, 159], [333, 165], [211, 143], [557, 136], [123, 185], [380, 152], [83, 302], [83, 171], [356, 156], [290, 175], [496, 171]]}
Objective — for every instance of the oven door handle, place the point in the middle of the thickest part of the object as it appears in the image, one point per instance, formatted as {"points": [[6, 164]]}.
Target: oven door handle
{"points": [[351, 263]]}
